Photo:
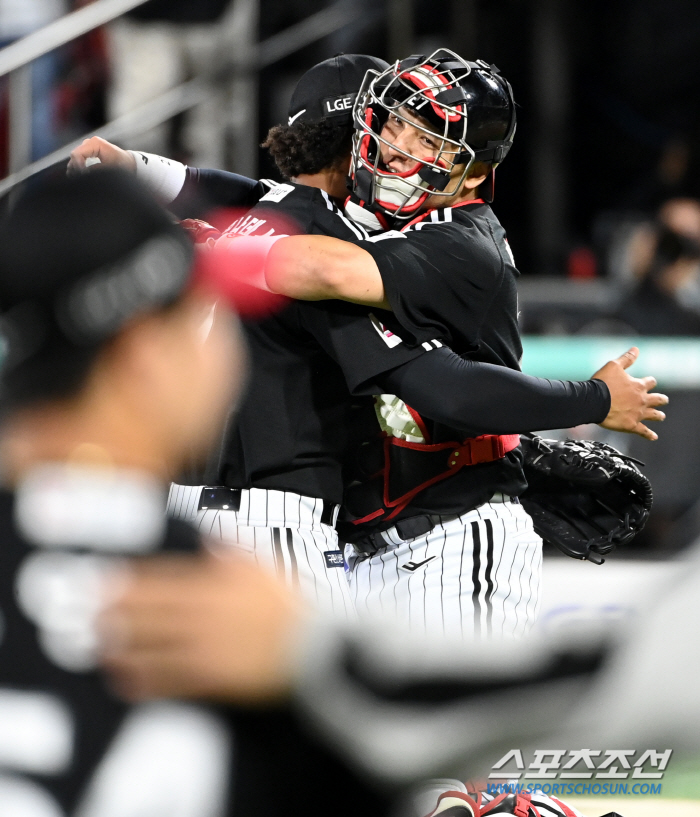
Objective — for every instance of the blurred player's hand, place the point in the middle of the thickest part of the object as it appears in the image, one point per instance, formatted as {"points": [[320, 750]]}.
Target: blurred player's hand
{"points": [[97, 148], [199, 231], [211, 626], [631, 404]]}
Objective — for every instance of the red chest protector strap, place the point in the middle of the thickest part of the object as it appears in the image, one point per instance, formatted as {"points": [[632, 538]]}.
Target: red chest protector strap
{"points": [[410, 468], [519, 804]]}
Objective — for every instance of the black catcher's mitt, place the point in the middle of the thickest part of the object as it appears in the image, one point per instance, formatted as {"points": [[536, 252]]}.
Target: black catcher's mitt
{"points": [[584, 497]]}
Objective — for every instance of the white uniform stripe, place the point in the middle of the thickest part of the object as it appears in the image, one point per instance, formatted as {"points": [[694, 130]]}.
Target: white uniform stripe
{"points": [[408, 585], [510, 574], [461, 573], [357, 229], [500, 559], [425, 599], [383, 587], [442, 582], [524, 555]]}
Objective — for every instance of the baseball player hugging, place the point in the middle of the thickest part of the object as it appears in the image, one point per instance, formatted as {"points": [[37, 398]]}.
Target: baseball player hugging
{"points": [[434, 522], [435, 532], [392, 382]]}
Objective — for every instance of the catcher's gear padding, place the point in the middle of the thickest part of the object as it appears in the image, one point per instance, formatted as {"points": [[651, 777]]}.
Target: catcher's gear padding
{"points": [[525, 804], [585, 497]]}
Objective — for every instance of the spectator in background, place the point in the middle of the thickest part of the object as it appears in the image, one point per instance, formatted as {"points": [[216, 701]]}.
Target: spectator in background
{"points": [[664, 257], [156, 47], [17, 19]]}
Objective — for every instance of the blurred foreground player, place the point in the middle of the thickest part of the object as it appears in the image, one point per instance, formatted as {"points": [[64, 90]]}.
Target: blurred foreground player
{"points": [[114, 369], [404, 709], [116, 372]]}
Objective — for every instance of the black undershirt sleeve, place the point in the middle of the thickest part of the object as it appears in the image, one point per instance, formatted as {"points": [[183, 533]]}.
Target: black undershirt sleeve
{"points": [[205, 188], [480, 398]]}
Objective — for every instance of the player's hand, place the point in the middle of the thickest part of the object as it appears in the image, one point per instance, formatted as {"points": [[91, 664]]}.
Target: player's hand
{"points": [[199, 231], [97, 148], [631, 403], [217, 627]]}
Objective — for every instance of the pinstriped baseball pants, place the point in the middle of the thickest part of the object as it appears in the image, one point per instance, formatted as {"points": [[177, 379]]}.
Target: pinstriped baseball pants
{"points": [[476, 575], [281, 530]]}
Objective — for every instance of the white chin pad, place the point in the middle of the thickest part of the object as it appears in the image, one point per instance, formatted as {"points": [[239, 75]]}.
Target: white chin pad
{"points": [[396, 191]]}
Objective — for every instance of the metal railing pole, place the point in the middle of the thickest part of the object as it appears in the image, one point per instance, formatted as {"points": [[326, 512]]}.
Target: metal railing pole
{"points": [[62, 31], [20, 118], [239, 92], [257, 56]]}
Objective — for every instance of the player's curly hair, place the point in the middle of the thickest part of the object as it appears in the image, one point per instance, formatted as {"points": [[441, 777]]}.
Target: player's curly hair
{"points": [[309, 147]]}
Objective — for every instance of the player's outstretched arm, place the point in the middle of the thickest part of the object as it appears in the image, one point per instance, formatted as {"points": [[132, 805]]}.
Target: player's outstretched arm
{"points": [[316, 268], [480, 398], [631, 401], [182, 189]]}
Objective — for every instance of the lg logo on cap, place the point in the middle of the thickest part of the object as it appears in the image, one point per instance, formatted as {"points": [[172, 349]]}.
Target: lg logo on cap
{"points": [[333, 106]]}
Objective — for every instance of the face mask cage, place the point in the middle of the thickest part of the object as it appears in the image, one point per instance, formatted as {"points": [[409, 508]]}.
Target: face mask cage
{"points": [[429, 89]]}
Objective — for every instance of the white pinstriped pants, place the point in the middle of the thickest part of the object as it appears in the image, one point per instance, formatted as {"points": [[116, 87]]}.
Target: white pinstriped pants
{"points": [[279, 529], [477, 575]]}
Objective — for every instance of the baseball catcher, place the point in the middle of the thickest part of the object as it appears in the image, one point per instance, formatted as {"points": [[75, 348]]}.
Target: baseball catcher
{"points": [[585, 497]]}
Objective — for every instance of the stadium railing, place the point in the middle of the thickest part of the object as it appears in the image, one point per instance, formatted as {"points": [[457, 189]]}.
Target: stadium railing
{"points": [[241, 65]]}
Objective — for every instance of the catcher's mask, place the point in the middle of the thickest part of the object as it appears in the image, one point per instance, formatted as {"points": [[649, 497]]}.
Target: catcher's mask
{"points": [[467, 105]]}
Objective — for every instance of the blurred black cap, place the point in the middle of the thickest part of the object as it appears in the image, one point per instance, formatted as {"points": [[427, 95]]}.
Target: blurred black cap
{"points": [[328, 90], [79, 258]]}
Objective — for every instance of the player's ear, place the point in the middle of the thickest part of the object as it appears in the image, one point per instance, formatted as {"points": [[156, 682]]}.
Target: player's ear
{"points": [[478, 173]]}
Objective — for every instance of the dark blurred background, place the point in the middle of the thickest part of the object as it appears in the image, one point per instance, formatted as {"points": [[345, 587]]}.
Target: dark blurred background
{"points": [[609, 109]]}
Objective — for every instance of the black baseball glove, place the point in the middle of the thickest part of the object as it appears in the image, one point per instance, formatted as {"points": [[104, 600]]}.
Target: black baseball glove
{"points": [[584, 497]]}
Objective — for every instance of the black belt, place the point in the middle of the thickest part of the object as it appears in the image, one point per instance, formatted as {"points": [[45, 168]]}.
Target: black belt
{"points": [[410, 528], [221, 498]]}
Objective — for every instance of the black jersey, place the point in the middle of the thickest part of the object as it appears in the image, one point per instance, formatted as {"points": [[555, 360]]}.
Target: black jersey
{"points": [[292, 430], [449, 275], [63, 734]]}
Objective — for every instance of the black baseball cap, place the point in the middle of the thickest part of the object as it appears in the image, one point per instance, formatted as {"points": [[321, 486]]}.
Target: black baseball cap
{"points": [[81, 257], [328, 90]]}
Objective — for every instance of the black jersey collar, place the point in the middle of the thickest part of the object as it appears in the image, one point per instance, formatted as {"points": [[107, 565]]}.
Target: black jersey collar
{"points": [[424, 215]]}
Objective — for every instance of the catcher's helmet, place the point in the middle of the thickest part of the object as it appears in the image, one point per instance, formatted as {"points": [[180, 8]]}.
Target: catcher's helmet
{"points": [[468, 105]]}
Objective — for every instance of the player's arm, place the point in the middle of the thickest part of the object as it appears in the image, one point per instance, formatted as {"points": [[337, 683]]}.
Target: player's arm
{"points": [[476, 397], [316, 268], [182, 189], [484, 399]]}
